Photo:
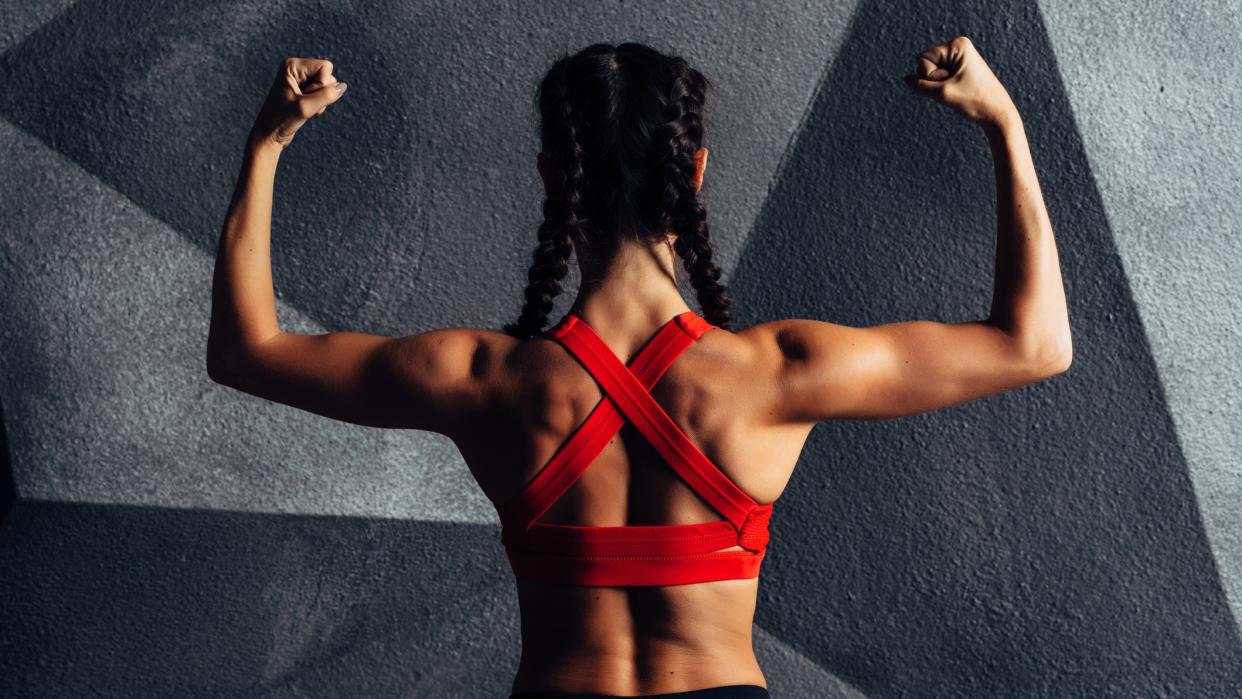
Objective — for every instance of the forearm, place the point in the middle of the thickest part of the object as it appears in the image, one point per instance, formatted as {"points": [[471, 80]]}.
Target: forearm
{"points": [[1028, 300], [243, 306]]}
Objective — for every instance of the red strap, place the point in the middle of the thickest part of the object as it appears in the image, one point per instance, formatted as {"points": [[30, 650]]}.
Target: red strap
{"points": [[577, 453], [643, 540], [631, 398], [623, 571]]}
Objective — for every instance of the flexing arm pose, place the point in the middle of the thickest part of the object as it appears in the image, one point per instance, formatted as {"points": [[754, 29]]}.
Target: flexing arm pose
{"points": [[424, 381], [836, 371], [438, 379]]}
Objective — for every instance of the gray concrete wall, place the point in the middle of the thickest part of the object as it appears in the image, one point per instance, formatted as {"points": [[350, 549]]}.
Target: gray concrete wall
{"points": [[166, 536]]}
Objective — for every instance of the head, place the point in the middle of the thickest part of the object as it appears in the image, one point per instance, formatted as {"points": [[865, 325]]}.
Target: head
{"points": [[622, 157]]}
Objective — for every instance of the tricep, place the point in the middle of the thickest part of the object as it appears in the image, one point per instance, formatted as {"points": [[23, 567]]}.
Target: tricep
{"points": [[826, 370]]}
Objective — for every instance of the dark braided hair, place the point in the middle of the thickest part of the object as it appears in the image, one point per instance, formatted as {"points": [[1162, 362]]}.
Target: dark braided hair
{"points": [[620, 126]]}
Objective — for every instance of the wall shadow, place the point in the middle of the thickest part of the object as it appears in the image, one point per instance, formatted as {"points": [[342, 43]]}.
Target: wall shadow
{"points": [[141, 601], [157, 100], [1044, 541], [8, 487]]}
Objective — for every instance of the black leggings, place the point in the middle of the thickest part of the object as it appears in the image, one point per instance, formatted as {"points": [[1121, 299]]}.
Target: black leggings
{"points": [[732, 691]]}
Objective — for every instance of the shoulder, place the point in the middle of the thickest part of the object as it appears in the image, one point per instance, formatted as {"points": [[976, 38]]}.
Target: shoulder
{"points": [[742, 366], [455, 372], [804, 361], [793, 344], [477, 363], [453, 355], [775, 346], [791, 338]]}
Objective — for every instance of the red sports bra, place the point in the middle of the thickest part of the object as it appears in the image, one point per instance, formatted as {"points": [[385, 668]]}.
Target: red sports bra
{"points": [[632, 555]]}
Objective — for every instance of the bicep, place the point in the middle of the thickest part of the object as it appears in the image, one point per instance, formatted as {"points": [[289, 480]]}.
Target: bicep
{"points": [[896, 369], [429, 381]]}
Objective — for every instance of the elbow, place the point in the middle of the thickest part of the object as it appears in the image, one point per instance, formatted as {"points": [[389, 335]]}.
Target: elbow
{"points": [[1059, 364], [222, 366], [217, 355], [217, 370], [234, 365], [1043, 355], [229, 361], [1054, 356]]}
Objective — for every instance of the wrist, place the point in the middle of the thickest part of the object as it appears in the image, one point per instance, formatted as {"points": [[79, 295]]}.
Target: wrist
{"points": [[264, 144], [1002, 122]]}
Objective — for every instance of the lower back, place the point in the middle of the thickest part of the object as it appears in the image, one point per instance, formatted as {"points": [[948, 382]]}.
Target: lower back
{"points": [[637, 640]]}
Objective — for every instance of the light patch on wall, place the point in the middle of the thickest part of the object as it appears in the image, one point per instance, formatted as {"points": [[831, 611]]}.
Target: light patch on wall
{"points": [[1157, 121]]}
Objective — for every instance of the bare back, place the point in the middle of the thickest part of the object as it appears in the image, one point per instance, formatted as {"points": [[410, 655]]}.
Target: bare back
{"points": [[625, 640], [746, 400]]}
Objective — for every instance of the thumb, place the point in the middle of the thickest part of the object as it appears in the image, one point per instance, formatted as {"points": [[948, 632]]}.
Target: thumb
{"points": [[319, 100], [927, 88]]}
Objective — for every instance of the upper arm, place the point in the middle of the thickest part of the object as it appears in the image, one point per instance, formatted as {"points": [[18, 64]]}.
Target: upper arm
{"points": [[826, 370], [433, 381]]}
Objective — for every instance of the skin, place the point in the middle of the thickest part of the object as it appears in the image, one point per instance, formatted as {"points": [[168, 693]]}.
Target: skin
{"points": [[747, 399]]}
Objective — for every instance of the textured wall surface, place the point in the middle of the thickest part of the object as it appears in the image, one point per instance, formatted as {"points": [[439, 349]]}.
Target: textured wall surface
{"points": [[166, 536]]}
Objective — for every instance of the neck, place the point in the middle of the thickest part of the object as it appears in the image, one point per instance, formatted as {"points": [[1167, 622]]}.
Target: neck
{"points": [[629, 290]]}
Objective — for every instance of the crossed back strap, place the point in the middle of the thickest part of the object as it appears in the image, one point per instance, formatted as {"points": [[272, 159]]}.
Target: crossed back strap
{"points": [[626, 389]]}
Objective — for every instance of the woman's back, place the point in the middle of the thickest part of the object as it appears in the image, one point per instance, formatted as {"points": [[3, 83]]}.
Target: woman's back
{"points": [[622, 164], [652, 638]]}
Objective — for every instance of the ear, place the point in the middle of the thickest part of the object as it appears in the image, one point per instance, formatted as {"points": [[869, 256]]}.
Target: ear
{"points": [[700, 164], [541, 162]]}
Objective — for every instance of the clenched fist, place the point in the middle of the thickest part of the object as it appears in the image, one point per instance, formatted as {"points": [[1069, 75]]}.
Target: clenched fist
{"points": [[304, 88], [955, 74]]}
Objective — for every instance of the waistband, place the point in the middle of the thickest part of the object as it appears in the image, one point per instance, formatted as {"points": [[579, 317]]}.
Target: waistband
{"points": [[731, 691]]}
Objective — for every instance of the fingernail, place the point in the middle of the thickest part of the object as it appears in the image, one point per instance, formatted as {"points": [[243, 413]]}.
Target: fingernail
{"points": [[340, 87]]}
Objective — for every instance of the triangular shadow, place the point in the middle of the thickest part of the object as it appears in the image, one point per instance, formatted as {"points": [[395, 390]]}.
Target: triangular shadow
{"points": [[156, 101], [126, 601], [8, 486], [1042, 540]]}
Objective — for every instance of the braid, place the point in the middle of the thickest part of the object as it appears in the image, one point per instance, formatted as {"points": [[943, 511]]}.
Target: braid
{"points": [[695, 249], [677, 140], [561, 224], [621, 126]]}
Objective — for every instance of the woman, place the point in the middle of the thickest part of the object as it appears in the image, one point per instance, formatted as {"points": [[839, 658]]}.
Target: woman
{"points": [[638, 576]]}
